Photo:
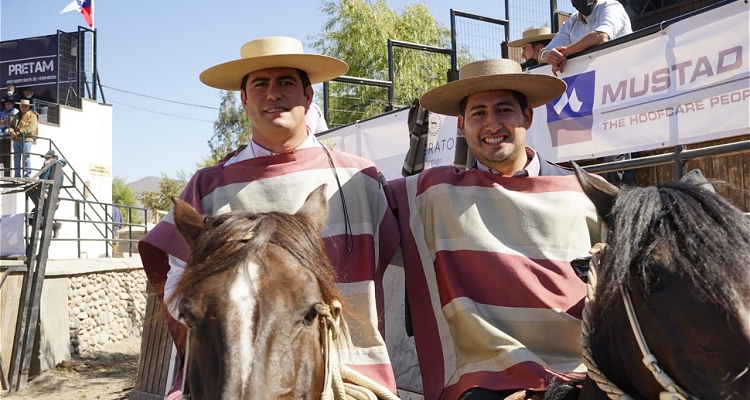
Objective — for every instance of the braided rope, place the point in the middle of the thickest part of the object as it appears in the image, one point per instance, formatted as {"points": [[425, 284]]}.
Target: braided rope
{"points": [[359, 386], [612, 391]]}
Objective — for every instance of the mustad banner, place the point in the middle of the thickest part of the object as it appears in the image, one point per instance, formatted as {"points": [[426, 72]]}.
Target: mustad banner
{"points": [[686, 83]]}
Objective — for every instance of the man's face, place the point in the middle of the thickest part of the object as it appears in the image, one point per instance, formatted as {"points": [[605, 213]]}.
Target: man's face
{"points": [[24, 108], [8, 105], [528, 51], [494, 126], [276, 103]]}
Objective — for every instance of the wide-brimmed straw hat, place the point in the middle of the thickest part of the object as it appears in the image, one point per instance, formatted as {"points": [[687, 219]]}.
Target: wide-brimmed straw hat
{"points": [[533, 35], [272, 52], [492, 74], [24, 102]]}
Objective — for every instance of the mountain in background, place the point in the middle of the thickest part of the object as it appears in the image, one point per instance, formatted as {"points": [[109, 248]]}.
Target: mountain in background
{"points": [[147, 184]]}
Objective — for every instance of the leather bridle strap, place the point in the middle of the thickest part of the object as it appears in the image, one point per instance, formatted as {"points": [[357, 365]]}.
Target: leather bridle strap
{"points": [[673, 390]]}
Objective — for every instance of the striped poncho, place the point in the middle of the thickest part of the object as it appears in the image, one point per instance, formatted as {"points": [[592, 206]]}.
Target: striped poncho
{"points": [[493, 300], [282, 183]]}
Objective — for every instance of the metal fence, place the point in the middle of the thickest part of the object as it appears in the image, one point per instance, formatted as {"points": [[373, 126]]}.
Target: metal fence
{"points": [[476, 37]]}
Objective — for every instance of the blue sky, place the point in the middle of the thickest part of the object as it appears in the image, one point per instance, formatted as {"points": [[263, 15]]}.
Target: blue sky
{"points": [[159, 48]]}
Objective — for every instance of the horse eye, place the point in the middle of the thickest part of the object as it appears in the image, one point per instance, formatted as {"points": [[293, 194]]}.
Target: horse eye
{"points": [[651, 279], [310, 317]]}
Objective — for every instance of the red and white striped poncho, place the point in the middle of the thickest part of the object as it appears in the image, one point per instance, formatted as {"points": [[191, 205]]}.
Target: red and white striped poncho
{"points": [[282, 183], [493, 300]]}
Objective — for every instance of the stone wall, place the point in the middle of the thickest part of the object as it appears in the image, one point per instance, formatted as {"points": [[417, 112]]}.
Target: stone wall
{"points": [[105, 307]]}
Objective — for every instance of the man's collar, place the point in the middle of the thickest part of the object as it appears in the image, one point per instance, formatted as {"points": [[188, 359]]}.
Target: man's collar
{"points": [[532, 168]]}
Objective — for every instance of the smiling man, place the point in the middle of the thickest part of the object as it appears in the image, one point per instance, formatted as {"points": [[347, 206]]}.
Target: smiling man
{"points": [[494, 303], [282, 164]]}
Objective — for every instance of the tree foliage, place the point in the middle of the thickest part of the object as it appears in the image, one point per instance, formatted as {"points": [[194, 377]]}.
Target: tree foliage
{"points": [[231, 129], [357, 31], [124, 194], [161, 200]]}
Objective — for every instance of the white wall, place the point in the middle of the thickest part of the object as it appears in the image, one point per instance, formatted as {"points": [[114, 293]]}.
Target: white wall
{"points": [[84, 139]]}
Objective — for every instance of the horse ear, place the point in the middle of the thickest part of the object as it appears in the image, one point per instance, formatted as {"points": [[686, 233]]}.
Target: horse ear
{"points": [[599, 191], [695, 177], [316, 206], [188, 221]]}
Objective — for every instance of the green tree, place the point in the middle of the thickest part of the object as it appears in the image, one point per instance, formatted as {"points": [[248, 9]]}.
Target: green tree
{"points": [[161, 200], [231, 129], [124, 194], [357, 31]]}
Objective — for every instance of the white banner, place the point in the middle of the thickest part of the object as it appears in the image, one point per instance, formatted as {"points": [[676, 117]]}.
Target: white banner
{"points": [[689, 82], [385, 141]]}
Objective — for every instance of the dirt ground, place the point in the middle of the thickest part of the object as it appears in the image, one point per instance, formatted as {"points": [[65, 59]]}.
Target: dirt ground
{"points": [[108, 374]]}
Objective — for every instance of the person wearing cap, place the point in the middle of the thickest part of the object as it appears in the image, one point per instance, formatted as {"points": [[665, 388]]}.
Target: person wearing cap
{"points": [[494, 304], [45, 173], [283, 163], [596, 22], [23, 130], [531, 43]]}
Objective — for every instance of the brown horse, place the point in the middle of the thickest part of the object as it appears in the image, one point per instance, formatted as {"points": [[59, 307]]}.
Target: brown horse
{"points": [[255, 293], [678, 261]]}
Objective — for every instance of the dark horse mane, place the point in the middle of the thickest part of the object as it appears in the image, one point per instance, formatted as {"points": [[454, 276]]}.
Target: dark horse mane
{"points": [[711, 239], [227, 235]]}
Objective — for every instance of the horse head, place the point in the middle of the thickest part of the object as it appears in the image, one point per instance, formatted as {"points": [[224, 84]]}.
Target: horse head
{"points": [[681, 253], [252, 295]]}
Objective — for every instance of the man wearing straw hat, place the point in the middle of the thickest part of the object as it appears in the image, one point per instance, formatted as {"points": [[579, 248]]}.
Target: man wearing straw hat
{"points": [[531, 43], [494, 303], [276, 171]]}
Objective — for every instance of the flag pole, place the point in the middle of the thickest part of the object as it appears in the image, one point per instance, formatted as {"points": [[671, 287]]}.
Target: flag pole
{"points": [[94, 73]]}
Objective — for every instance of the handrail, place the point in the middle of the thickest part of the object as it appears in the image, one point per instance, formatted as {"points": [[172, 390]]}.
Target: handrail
{"points": [[89, 211]]}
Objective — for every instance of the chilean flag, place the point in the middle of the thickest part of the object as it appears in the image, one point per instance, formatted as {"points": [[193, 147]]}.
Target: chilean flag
{"points": [[84, 7]]}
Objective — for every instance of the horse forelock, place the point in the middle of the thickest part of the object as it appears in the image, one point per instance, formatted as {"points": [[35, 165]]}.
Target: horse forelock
{"points": [[709, 238], [236, 262]]}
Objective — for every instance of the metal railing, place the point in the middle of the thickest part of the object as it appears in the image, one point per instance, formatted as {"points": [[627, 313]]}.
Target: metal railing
{"points": [[92, 213]]}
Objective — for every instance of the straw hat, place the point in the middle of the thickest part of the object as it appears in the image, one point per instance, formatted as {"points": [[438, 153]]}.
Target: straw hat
{"points": [[24, 102], [272, 52], [533, 35], [492, 74]]}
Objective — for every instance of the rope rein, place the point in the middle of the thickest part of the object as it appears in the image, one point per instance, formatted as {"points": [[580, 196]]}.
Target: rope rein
{"points": [[672, 390], [358, 387]]}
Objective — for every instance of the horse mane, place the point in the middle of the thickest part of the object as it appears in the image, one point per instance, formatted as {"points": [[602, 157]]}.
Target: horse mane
{"points": [[710, 238], [225, 234]]}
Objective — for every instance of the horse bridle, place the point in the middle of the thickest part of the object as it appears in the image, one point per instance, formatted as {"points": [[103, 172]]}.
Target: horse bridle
{"points": [[334, 387], [672, 391]]}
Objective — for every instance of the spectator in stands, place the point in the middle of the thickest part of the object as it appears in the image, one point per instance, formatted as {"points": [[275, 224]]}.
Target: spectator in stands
{"points": [[596, 22], [23, 131], [494, 304], [531, 43], [276, 171], [7, 112], [28, 94], [11, 93]]}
